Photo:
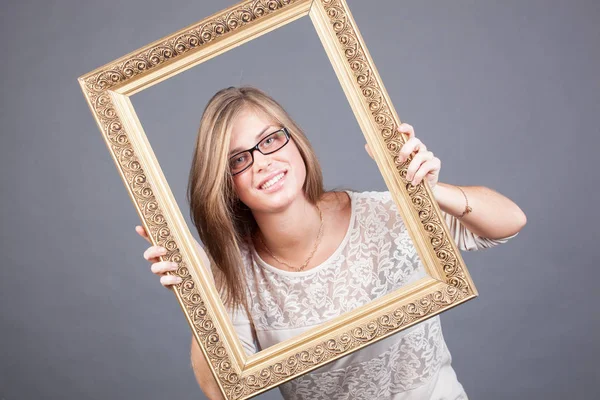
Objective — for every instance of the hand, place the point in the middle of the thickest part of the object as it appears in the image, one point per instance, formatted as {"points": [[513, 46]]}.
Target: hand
{"points": [[159, 267], [423, 164]]}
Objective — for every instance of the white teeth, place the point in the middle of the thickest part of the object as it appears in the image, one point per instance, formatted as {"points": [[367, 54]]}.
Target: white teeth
{"points": [[272, 181]]}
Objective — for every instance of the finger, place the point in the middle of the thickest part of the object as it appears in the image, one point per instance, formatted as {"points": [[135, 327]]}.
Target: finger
{"points": [[412, 145], [369, 151], [142, 232], [416, 162], [428, 167], [407, 129], [154, 252], [169, 280], [163, 267]]}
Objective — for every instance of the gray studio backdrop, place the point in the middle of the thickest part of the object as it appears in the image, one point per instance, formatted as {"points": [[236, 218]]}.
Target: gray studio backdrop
{"points": [[506, 94]]}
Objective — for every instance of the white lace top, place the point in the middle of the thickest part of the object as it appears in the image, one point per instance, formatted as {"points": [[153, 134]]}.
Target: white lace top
{"points": [[375, 257]]}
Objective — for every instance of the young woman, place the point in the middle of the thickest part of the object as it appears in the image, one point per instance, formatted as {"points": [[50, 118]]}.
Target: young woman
{"points": [[294, 256]]}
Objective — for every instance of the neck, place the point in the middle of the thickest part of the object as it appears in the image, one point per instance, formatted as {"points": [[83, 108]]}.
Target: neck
{"points": [[290, 233]]}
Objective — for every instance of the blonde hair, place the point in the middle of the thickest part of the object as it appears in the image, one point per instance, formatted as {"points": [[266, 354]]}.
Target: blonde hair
{"points": [[222, 220]]}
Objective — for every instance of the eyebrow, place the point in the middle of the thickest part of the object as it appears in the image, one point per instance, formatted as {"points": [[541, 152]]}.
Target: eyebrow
{"points": [[237, 149]]}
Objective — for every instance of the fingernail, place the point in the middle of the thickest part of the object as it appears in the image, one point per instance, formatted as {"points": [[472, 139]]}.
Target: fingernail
{"points": [[173, 266], [162, 250], [177, 280]]}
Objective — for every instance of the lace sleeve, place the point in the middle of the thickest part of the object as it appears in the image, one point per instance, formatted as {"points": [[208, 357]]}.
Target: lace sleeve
{"points": [[239, 319], [467, 240]]}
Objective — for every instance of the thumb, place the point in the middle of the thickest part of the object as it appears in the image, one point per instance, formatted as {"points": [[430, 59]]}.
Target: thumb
{"points": [[142, 232]]}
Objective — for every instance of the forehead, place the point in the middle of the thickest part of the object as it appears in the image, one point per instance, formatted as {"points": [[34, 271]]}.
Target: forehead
{"points": [[249, 123]]}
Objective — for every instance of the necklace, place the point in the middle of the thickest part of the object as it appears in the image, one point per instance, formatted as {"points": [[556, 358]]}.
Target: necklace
{"points": [[312, 253]]}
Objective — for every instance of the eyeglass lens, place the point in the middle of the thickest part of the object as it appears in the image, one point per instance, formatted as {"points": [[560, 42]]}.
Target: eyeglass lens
{"points": [[268, 145]]}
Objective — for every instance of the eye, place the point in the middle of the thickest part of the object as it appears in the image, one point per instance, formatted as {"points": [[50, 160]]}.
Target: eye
{"points": [[238, 160], [270, 140]]}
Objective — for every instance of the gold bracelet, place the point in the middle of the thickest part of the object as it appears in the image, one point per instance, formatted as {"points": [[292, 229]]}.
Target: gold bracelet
{"points": [[468, 208]]}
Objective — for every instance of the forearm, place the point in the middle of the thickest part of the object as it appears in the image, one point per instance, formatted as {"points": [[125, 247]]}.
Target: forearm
{"points": [[494, 216], [203, 375]]}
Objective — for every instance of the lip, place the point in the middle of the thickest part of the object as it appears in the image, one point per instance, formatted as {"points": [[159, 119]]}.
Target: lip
{"points": [[271, 176]]}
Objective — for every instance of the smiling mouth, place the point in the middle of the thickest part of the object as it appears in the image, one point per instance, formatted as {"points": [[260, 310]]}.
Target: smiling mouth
{"points": [[273, 181]]}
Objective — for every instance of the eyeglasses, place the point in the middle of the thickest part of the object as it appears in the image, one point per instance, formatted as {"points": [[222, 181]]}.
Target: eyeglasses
{"points": [[241, 161]]}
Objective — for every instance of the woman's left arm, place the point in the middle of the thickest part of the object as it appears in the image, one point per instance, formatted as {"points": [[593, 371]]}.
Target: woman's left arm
{"points": [[493, 215]]}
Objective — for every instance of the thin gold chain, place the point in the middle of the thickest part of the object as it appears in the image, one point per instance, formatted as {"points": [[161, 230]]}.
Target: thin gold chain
{"points": [[312, 253], [468, 208]]}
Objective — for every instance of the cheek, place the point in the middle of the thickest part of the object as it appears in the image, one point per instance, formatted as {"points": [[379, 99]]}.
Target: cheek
{"points": [[241, 185], [300, 168]]}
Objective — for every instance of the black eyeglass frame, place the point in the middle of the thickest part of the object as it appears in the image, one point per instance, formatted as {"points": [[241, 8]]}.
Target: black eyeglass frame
{"points": [[251, 150]]}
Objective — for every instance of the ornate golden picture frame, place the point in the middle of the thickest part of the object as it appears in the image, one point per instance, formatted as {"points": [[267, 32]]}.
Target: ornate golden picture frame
{"points": [[108, 90]]}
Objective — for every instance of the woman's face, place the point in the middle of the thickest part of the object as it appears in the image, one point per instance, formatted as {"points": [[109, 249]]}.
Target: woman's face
{"points": [[285, 164]]}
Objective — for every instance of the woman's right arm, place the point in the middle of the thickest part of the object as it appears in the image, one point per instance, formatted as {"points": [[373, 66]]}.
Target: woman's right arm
{"points": [[204, 376]]}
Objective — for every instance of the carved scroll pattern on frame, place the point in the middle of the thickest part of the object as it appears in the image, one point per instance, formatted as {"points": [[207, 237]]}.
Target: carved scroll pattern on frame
{"points": [[380, 111], [458, 287], [97, 87], [237, 386], [354, 338]]}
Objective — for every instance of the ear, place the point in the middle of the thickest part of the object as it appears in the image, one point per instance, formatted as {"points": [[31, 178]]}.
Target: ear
{"points": [[368, 149]]}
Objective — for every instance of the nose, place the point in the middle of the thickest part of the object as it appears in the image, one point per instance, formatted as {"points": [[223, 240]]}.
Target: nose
{"points": [[261, 161]]}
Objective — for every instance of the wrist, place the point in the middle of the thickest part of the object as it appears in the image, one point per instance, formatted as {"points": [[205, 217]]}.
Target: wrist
{"points": [[468, 208], [451, 199]]}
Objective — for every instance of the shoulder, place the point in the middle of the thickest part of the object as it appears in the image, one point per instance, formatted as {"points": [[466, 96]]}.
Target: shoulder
{"points": [[335, 200], [373, 197], [342, 196], [342, 205], [376, 207]]}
